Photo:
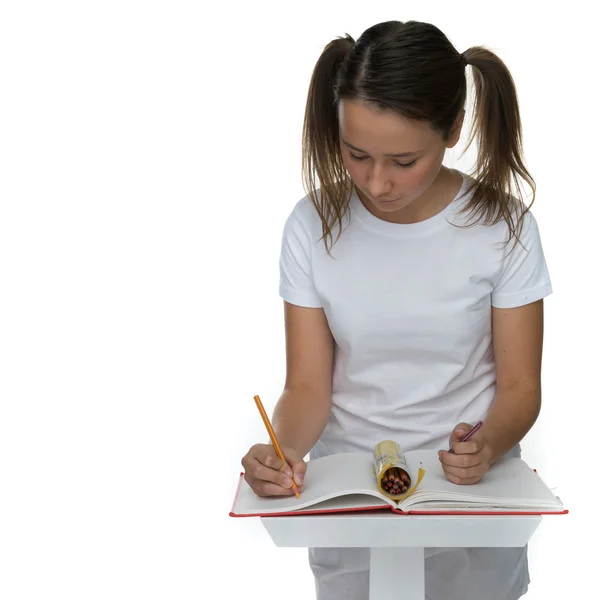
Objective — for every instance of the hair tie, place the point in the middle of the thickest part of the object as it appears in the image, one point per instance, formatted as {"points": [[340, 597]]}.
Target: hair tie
{"points": [[464, 59]]}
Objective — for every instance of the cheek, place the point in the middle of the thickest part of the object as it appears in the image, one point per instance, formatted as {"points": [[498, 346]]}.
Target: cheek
{"points": [[355, 170], [420, 177]]}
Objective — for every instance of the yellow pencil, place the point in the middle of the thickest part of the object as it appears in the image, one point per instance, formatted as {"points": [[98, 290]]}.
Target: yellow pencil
{"points": [[274, 441]]}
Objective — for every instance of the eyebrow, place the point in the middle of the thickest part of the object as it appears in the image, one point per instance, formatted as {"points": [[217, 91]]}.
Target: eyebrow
{"points": [[398, 155]]}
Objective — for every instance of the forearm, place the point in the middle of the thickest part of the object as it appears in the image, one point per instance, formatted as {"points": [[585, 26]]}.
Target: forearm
{"points": [[511, 415], [300, 417]]}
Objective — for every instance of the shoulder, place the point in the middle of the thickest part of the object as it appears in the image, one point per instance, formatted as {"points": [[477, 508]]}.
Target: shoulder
{"points": [[304, 221], [303, 211], [518, 217], [519, 230]]}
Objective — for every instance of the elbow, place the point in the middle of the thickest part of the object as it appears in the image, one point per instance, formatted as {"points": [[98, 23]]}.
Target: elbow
{"points": [[525, 394]]}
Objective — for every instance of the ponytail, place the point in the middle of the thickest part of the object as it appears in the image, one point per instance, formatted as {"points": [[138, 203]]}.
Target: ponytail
{"points": [[500, 161], [320, 140]]}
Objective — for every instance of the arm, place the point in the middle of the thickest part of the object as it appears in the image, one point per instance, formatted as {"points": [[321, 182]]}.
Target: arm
{"points": [[517, 341], [303, 408], [302, 411]]}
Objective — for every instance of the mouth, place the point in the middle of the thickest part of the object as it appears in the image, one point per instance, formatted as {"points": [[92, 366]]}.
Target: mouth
{"points": [[385, 201]]}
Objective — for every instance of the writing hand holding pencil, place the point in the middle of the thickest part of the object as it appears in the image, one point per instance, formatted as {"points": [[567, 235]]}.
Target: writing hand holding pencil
{"points": [[271, 469], [470, 455]]}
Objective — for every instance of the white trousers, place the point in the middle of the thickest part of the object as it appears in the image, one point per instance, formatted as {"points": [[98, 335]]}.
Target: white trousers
{"points": [[450, 573]]}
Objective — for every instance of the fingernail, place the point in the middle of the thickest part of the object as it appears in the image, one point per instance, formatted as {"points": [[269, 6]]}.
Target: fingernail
{"points": [[299, 478], [287, 482]]}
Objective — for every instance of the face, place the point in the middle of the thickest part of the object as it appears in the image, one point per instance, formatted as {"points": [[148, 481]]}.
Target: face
{"points": [[392, 160]]}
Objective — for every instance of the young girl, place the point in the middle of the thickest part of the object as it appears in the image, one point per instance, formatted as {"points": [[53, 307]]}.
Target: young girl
{"points": [[413, 293]]}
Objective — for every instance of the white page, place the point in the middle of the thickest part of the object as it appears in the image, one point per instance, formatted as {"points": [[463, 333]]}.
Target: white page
{"points": [[325, 477], [509, 482]]}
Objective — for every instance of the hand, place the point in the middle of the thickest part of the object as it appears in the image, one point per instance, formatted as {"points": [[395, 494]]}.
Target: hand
{"points": [[268, 475], [470, 460]]}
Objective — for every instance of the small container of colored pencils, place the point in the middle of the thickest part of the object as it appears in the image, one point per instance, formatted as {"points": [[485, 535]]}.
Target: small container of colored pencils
{"points": [[393, 477]]}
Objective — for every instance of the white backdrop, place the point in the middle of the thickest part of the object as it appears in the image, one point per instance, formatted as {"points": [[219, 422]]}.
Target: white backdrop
{"points": [[150, 153]]}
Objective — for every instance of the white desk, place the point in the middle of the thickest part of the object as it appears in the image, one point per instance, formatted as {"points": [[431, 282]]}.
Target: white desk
{"points": [[397, 542]]}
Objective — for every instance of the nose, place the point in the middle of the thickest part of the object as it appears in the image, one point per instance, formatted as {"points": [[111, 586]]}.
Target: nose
{"points": [[378, 183]]}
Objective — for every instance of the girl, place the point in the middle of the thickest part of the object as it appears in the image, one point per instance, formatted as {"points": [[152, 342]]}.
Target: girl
{"points": [[412, 292]]}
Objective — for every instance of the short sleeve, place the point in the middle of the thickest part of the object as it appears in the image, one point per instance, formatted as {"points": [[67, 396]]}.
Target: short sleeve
{"points": [[523, 277], [295, 264]]}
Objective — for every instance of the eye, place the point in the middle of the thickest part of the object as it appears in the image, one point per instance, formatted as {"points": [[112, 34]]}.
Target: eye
{"points": [[397, 164], [406, 165], [353, 157]]}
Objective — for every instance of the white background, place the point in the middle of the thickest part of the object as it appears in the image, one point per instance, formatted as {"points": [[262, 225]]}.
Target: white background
{"points": [[150, 153]]}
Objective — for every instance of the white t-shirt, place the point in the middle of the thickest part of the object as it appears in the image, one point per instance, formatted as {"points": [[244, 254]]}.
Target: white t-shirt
{"points": [[409, 307]]}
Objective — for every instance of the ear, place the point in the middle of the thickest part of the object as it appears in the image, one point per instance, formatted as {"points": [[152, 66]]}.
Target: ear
{"points": [[454, 134]]}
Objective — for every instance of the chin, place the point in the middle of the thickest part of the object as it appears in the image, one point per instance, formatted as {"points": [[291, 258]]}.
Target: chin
{"points": [[392, 207]]}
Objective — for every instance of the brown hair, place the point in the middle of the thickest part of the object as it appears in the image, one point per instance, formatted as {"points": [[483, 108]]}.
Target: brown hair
{"points": [[413, 69]]}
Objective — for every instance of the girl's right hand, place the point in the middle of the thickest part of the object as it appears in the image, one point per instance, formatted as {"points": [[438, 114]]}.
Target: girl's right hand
{"points": [[268, 475]]}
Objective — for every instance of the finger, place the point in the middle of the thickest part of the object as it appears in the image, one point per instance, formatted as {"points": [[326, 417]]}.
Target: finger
{"points": [[269, 482], [460, 431], [299, 471], [459, 481], [265, 454], [272, 461], [295, 479], [470, 447], [464, 473], [460, 459], [256, 471], [282, 476], [296, 463], [265, 488]]}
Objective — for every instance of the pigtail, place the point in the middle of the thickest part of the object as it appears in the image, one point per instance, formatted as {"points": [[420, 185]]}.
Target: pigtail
{"points": [[500, 167], [321, 156]]}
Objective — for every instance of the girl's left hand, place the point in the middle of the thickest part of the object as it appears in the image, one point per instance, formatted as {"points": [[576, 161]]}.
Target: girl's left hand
{"points": [[470, 460]]}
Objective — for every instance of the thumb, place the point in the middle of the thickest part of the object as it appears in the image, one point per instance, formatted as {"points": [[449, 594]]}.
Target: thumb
{"points": [[460, 431], [297, 464]]}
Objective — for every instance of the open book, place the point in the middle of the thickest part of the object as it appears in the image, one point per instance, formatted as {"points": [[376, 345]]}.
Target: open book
{"points": [[349, 482]]}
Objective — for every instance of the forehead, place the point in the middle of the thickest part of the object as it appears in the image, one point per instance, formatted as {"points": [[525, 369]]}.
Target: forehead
{"points": [[382, 131]]}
